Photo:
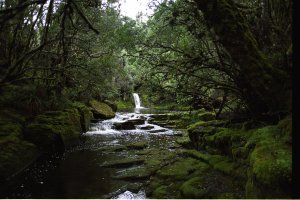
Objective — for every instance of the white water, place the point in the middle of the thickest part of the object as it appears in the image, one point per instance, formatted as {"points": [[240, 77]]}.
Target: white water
{"points": [[106, 127], [137, 100]]}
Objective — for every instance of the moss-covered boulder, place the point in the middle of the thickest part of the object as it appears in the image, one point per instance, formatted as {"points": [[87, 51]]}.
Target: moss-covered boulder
{"points": [[55, 131], [15, 155], [86, 115], [101, 110], [206, 116], [111, 104], [270, 173]]}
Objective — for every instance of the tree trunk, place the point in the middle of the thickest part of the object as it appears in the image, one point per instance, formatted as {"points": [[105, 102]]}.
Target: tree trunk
{"points": [[262, 85]]}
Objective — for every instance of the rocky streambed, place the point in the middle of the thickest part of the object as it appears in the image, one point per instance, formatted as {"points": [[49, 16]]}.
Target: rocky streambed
{"points": [[138, 156]]}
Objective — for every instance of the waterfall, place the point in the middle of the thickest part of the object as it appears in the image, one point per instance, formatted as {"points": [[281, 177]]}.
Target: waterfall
{"points": [[137, 100]]}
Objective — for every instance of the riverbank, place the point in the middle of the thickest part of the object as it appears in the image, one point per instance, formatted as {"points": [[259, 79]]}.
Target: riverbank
{"points": [[168, 155], [24, 138]]}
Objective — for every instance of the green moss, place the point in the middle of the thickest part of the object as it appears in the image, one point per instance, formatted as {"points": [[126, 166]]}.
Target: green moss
{"points": [[55, 130], [111, 104], [160, 192], [137, 145], [206, 116], [184, 141], [197, 155], [271, 162], [101, 110], [225, 166], [181, 168], [124, 105], [86, 115], [193, 188]]}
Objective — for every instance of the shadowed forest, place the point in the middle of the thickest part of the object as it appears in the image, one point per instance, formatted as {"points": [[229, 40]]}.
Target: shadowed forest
{"points": [[194, 102]]}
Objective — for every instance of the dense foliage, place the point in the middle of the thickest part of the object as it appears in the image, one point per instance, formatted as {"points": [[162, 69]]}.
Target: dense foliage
{"points": [[220, 55], [217, 54]]}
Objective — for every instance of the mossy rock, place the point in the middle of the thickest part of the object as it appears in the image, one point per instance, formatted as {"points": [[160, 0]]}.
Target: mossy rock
{"points": [[101, 110], [217, 162], [160, 192], [86, 115], [15, 155], [271, 164], [206, 116], [55, 131], [184, 142], [194, 188], [111, 104], [181, 168]]}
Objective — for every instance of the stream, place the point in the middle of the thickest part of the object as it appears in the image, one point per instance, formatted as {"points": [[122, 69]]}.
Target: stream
{"points": [[91, 170]]}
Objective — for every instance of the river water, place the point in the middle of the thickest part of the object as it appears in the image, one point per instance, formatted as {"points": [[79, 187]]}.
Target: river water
{"points": [[81, 172]]}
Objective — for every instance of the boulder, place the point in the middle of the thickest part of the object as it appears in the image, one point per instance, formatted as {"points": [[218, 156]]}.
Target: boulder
{"points": [[124, 125], [206, 116], [86, 115], [137, 121], [55, 130], [101, 110], [111, 104]]}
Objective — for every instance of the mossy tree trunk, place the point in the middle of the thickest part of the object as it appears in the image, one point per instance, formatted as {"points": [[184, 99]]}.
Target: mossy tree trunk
{"points": [[263, 86]]}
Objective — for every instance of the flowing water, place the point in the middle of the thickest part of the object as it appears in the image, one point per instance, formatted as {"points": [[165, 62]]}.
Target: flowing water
{"points": [[81, 172], [137, 100]]}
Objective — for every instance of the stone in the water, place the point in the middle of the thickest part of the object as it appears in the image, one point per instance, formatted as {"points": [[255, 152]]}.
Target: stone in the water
{"points": [[137, 121], [146, 127], [157, 131], [124, 125]]}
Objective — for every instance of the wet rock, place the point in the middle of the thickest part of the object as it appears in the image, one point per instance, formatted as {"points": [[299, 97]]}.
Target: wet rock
{"points": [[134, 174], [137, 121], [124, 125], [123, 163], [137, 145], [146, 127], [157, 131], [135, 187], [101, 110]]}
